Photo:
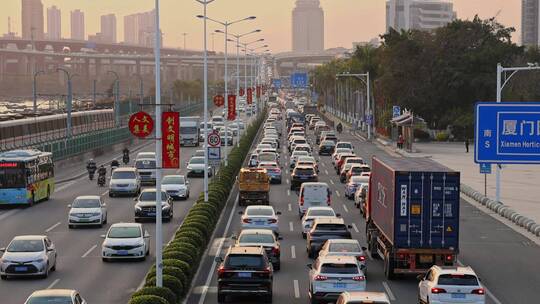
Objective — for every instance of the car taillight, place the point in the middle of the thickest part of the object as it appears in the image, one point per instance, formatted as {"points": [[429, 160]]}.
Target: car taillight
{"points": [[479, 291], [436, 290], [265, 272], [272, 221], [361, 258], [246, 221], [320, 278], [275, 251], [302, 200], [402, 256], [329, 200], [359, 278], [449, 258], [221, 271]]}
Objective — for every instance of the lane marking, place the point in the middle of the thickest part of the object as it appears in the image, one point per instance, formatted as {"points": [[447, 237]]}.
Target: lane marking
{"points": [[9, 213], [293, 252], [296, 289], [53, 226], [104, 193], [291, 226], [326, 171], [288, 192], [345, 207], [290, 207], [53, 284], [287, 181], [355, 228], [388, 291], [332, 181], [337, 193], [488, 292], [287, 171], [323, 164], [88, 251], [66, 185]]}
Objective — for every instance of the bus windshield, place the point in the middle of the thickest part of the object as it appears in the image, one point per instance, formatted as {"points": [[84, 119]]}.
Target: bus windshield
{"points": [[12, 178]]}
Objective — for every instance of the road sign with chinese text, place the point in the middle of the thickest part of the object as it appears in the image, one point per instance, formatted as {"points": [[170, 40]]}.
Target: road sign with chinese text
{"points": [[170, 127], [507, 133], [485, 168], [299, 80], [141, 124]]}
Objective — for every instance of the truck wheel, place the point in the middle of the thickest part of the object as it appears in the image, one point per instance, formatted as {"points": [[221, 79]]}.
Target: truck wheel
{"points": [[389, 267], [372, 247]]}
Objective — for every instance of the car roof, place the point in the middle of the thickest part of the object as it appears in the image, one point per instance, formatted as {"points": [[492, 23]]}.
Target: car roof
{"points": [[259, 207], [320, 208], [246, 250], [125, 169], [365, 296], [29, 237], [454, 269], [53, 292], [351, 241], [337, 259], [257, 231], [126, 225], [330, 220]]}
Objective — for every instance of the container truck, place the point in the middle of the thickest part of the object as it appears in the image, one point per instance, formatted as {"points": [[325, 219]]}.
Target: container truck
{"points": [[412, 214], [189, 131]]}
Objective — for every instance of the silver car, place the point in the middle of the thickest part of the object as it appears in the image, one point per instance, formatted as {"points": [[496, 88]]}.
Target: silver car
{"points": [[260, 217], [87, 210], [195, 167], [331, 275], [125, 181], [55, 296], [29, 255], [316, 212], [176, 186], [264, 238], [125, 241], [352, 248]]}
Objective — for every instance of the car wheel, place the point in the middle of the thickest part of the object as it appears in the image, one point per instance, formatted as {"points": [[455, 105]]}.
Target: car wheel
{"points": [[221, 298], [105, 220], [3, 277], [268, 298], [54, 266], [110, 194], [46, 274], [304, 235], [277, 266], [105, 260], [71, 226], [187, 195]]}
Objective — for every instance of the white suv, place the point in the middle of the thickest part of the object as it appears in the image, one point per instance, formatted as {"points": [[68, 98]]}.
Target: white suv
{"points": [[363, 297], [450, 284]]}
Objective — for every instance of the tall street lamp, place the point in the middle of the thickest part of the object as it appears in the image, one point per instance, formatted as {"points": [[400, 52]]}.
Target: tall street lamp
{"points": [[34, 89], [116, 97], [69, 101], [226, 24], [141, 88], [366, 80], [205, 96]]}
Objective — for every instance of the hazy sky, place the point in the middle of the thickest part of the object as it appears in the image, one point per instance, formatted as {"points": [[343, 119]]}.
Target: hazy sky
{"points": [[345, 20]]}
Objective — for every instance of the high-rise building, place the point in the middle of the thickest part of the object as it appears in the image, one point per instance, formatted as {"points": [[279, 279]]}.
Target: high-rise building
{"points": [[54, 23], [418, 14], [530, 22], [139, 29], [78, 31], [32, 19], [108, 28], [307, 26]]}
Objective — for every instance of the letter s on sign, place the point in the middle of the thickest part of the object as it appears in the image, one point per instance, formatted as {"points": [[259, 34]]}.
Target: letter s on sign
{"points": [[486, 144]]}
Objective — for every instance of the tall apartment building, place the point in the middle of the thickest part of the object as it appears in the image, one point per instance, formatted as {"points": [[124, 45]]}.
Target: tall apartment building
{"points": [[139, 29], [54, 23], [418, 14], [108, 28], [530, 11], [307, 26], [32, 20], [78, 31]]}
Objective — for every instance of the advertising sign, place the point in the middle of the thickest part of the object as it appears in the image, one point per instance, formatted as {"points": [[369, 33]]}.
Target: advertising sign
{"points": [[170, 140], [507, 133], [231, 107], [249, 95], [141, 124], [258, 91]]}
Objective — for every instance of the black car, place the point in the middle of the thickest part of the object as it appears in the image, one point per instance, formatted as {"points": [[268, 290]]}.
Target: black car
{"points": [[327, 147], [324, 229], [302, 174], [145, 208], [245, 271]]}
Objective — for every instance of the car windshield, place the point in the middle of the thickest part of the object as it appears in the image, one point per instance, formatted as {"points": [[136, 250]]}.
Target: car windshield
{"points": [[303, 171], [244, 260], [173, 180], [197, 161], [123, 175], [323, 212], [358, 179], [300, 153], [344, 247], [151, 196], [458, 280], [339, 268], [86, 203], [50, 300], [124, 232], [328, 143], [188, 130], [360, 169], [267, 157], [260, 212], [256, 238], [25, 246], [145, 164]]}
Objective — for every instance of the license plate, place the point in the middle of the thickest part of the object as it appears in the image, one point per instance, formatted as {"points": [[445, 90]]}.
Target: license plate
{"points": [[84, 220], [151, 214], [458, 296], [244, 274], [259, 223], [340, 285], [122, 252], [21, 268], [426, 258]]}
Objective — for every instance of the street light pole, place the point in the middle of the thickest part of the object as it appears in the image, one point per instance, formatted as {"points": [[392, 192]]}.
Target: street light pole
{"points": [[367, 82], [116, 98], [69, 100], [34, 89]]}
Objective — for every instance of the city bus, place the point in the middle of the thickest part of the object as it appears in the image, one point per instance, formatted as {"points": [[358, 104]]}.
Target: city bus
{"points": [[26, 177]]}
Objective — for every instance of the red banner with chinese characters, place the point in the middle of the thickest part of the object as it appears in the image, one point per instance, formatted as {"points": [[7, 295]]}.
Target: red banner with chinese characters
{"points": [[241, 92], [249, 95], [170, 140], [231, 110], [258, 91]]}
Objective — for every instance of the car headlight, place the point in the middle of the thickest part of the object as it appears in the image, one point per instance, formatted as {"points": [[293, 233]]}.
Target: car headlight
{"points": [[138, 208], [6, 261], [95, 214], [107, 246], [188, 167], [139, 245], [166, 207], [39, 261]]}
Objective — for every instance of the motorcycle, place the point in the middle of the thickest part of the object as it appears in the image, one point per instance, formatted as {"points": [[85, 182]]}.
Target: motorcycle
{"points": [[91, 175], [101, 180], [125, 159]]}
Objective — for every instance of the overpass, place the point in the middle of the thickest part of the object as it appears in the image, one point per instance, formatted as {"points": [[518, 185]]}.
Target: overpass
{"points": [[288, 62]]}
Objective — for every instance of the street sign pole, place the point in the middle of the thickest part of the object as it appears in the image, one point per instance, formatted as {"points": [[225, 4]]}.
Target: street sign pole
{"points": [[159, 241], [498, 169]]}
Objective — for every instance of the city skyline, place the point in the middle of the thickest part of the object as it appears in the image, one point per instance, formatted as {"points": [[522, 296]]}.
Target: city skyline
{"points": [[177, 18]]}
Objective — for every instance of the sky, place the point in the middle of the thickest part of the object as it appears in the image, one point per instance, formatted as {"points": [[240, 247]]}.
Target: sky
{"points": [[346, 21]]}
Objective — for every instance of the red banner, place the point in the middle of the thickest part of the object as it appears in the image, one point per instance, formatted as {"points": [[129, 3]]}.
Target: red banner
{"points": [[241, 92], [219, 100], [141, 124], [231, 104], [170, 140], [258, 91], [249, 95]]}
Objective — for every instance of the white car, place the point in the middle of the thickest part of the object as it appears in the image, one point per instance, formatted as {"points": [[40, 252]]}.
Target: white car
{"points": [[260, 217], [344, 144], [125, 181], [450, 284], [28, 255], [345, 247], [330, 276], [176, 186], [295, 156], [195, 167], [355, 297], [316, 212], [125, 241], [87, 210], [55, 296]]}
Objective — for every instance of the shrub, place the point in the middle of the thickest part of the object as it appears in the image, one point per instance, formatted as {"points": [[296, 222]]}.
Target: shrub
{"points": [[177, 255], [162, 292], [193, 254], [186, 268], [192, 233], [170, 282], [172, 271], [147, 299], [442, 136]]}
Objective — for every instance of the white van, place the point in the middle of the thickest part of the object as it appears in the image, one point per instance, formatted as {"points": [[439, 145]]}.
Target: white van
{"points": [[146, 166], [313, 195]]}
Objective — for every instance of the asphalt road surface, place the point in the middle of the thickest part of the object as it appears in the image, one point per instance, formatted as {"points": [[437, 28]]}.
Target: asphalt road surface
{"points": [[506, 261]]}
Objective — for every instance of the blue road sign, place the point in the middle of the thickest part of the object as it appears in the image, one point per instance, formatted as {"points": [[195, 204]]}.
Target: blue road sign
{"points": [[485, 168], [507, 133], [214, 153], [299, 80], [369, 119], [396, 111], [276, 83]]}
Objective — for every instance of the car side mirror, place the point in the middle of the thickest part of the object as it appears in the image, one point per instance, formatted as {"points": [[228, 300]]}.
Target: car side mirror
{"points": [[241, 212], [102, 236], [364, 248], [234, 237], [420, 277], [338, 214], [146, 235], [3, 249], [69, 206], [278, 212], [349, 226], [187, 182], [218, 259], [280, 238], [135, 199], [49, 249], [310, 266]]}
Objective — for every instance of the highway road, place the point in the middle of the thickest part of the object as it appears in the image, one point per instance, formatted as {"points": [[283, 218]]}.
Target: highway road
{"points": [[505, 260], [79, 250]]}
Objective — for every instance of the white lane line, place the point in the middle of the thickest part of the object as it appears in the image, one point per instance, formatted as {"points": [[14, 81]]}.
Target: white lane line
{"points": [[104, 193], [296, 289], [214, 264], [488, 293], [53, 284], [331, 181], [323, 164], [389, 291], [290, 207], [345, 207], [288, 192], [326, 171], [293, 252], [53, 226], [337, 193], [65, 186], [355, 228], [287, 181], [88, 251], [287, 171], [9, 213], [291, 226]]}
